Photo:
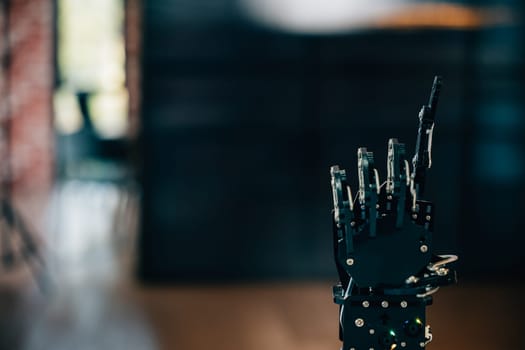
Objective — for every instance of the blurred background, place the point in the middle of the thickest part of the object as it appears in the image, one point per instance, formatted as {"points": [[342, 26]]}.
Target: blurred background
{"points": [[164, 165]]}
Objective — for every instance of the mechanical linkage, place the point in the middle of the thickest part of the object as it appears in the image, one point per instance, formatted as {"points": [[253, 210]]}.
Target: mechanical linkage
{"points": [[383, 246]]}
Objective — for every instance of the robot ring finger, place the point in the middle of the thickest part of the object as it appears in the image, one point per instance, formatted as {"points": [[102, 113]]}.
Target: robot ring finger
{"points": [[383, 247]]}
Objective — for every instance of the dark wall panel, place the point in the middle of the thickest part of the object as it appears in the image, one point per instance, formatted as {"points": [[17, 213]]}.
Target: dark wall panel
{"points": [[241, 123]]}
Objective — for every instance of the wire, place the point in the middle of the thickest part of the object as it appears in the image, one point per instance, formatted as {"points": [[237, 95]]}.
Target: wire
{"points": [[378, 187], [446, 259], [430, 132], [427, 293], [347, 294], [350, 198]]}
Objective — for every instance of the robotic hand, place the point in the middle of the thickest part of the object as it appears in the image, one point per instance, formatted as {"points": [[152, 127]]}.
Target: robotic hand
{"points": [[383, 247]]}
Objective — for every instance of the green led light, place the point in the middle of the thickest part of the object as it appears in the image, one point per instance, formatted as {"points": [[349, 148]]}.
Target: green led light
{"points": [[418, 321], [392, 333]]}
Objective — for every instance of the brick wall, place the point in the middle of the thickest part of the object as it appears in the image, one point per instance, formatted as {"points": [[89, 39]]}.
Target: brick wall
{"points": [[27, 42], [133, 47]]}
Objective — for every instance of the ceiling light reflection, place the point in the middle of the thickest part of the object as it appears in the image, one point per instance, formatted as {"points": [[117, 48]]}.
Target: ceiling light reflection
{"points": [[335, 16]]}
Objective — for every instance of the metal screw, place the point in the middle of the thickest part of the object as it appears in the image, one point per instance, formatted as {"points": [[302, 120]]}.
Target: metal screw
{"points": [[359, 322], [403, 344], [389, 198], [384, 304], [377, 206], [422, 344], [350, 261], [428, 217], [423, 248], [411, 279], [414, 216], [372, 331], [404, 304], [352, 223], [366, 303], [442, 271]]}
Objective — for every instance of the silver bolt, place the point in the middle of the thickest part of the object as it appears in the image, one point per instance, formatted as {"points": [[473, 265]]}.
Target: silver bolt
{"points": [[359, 322], [423, 248], [422, 344], [411, 279], [404, 304], [403, 344], [414, 216], [384, 304], [366, 303], [352, 223], [428, 217], [442, 271], [372, 331], [350, 261]]}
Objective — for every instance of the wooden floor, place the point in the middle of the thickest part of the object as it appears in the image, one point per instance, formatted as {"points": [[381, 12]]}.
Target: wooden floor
{"points": [[302, 317], [291, 316], [93, 303]]}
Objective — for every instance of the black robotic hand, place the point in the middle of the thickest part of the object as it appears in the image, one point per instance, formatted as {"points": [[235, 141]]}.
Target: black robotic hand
{"points": [[383, 247]]}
